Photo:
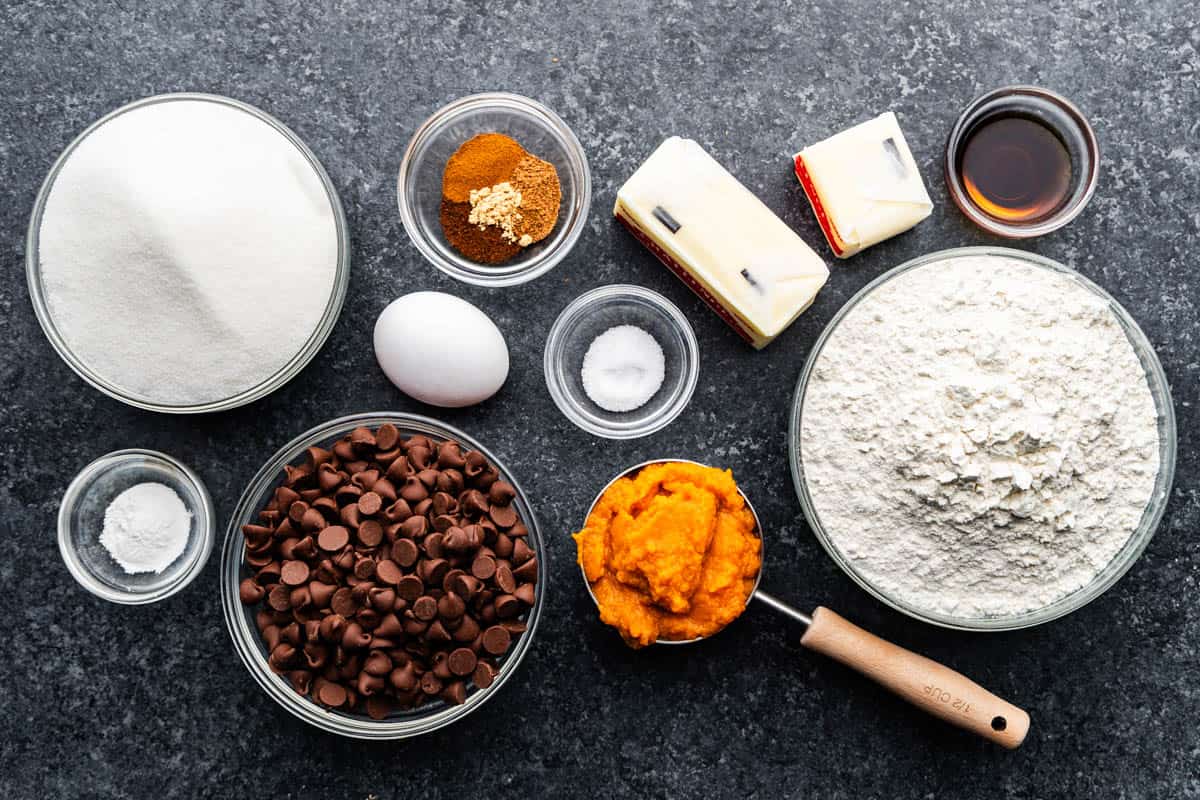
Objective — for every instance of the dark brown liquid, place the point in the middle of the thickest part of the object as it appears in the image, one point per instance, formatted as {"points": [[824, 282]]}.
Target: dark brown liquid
{"points": [[1016, 170]]}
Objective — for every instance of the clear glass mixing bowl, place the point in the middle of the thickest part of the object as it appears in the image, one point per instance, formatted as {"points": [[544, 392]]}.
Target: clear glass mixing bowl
{"points": [[1159, 389], [239, 618], [288, 371], [536, 128]]}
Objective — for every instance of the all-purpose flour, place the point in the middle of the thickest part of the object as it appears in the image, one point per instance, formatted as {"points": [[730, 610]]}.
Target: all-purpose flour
{"points": [[979, 438], [188, 251]]}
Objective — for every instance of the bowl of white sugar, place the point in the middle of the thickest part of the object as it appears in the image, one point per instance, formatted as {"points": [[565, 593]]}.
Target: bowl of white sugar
{"points": [[983, 439], [187, 253], [135, 526]]}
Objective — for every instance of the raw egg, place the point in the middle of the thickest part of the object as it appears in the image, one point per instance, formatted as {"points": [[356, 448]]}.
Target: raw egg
{"points": [[440, 349]]}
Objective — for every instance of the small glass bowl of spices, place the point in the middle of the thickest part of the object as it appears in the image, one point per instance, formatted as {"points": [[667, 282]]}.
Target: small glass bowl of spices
{"points": [[494, 189], [135, 526], [621, 362]]}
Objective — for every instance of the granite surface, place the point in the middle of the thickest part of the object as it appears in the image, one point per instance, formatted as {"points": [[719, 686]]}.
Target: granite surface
{"points": [[107, 701]]}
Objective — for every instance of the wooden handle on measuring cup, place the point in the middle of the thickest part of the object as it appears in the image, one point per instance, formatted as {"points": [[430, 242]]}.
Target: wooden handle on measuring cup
{"points": [[921, 681]]}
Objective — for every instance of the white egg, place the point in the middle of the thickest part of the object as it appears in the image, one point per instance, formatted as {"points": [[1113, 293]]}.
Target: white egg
{"points": [[440, 349]]}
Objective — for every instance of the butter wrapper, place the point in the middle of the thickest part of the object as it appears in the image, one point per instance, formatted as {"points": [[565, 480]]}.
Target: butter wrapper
{"points": [[720, 240], [863, 185]]}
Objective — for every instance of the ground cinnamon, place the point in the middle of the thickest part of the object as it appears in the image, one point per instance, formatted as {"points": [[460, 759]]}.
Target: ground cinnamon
{"points": [[494, 233]]}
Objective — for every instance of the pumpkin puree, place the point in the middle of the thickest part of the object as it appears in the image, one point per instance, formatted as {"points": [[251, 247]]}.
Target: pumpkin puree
{"points": [[670, 553]]}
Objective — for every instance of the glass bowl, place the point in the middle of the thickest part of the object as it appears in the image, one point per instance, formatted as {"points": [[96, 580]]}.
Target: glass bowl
{"points": [[239, 618], [540, 131], [81, 520], [288, 371], [1054, 112], [1159, 389], [590, 315]]}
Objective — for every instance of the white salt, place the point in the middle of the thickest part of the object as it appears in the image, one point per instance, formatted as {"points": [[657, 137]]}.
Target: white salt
{"points": [[623, 368], [188, 251]]}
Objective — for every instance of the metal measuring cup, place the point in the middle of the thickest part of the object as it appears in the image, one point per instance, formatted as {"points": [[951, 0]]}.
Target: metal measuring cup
{"points": [[930, 686]]}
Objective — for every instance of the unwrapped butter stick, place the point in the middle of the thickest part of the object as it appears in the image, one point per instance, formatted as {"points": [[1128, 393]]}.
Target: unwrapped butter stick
{"points": [[863, 185], [720, 240]]}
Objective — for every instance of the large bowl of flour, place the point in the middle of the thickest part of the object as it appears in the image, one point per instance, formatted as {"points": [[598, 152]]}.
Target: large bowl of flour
{"points": [[983, 439], [187, 253]]}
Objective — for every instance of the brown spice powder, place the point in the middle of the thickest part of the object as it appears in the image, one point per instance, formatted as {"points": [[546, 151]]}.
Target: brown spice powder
{"points": [[541, 196], [486, 246], [483, 160]]}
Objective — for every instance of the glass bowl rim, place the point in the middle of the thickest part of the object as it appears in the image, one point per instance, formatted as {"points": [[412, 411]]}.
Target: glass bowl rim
{"points": [[245, 639], [290, 369], [205, 525], [1062, 216], [1130, 551], [690, 370], [486, 275]]}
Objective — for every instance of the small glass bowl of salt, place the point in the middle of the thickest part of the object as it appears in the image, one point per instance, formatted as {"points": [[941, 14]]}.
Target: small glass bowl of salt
{"points": [[621, 361], [135, 526]]}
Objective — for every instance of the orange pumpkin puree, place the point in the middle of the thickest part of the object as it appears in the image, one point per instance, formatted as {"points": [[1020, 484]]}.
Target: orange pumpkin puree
{"points": [[670, 553]]}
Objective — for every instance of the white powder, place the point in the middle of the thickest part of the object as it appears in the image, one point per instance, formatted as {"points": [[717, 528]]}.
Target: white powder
{"points": [[146, 528], [979, 438], [623, 368], [188, 251]]}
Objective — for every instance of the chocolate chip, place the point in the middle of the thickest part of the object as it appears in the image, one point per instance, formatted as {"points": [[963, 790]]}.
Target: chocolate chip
{"points": [[450, 606], [507, 606], [521, 552], [382, 600], [405, 552], [525, 593], [409, 588], [527, 572], [467, 630], [425, 608], [250, 592], [370, 532], [462, 661], [332, 694], [413, 491], [370, 503], [389, 626], [503, 516], [456, 540], [389, 571], [364, 568], [343, 602], [279, 598], [496, 640], [387, 436], [333, 538], [436, 633], [485, 673], [501, 493], [483, 567], [430, 683], [433, 570], [384, 488], [505, 579]]}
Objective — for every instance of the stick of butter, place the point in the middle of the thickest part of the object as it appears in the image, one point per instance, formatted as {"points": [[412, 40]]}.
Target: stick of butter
{"points": [[863, 184], [720, 240]]}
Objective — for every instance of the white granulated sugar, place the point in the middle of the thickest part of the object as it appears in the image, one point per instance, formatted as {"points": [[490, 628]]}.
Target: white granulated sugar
{"points": [[188, 251], [623, 368], [979, 438], [146, 528]]}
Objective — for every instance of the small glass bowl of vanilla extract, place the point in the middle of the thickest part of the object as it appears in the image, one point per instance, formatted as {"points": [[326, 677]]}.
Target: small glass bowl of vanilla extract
{"points": [[1021, 161]]}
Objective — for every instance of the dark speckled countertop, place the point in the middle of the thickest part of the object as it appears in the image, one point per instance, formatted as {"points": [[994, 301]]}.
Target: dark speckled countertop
{"points": [[106, 701]]}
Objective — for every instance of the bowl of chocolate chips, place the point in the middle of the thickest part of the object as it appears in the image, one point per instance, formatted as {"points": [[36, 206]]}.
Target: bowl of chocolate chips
{"points": [[380, 577]]}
